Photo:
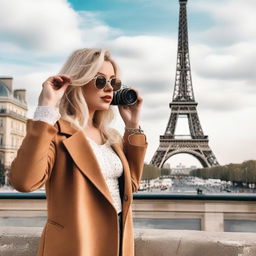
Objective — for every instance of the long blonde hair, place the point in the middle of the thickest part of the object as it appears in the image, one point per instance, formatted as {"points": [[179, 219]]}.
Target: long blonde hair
{"points": [[82, 65]]}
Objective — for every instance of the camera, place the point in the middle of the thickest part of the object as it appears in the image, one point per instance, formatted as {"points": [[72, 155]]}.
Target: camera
{"points": [[124, 96]]}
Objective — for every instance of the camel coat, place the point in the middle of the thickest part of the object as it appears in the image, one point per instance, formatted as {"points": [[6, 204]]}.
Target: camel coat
{"points": [[82, 219]]}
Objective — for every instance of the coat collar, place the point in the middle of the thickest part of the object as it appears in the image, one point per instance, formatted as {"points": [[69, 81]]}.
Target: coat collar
{"points": [[82, 154], [65, 127]]}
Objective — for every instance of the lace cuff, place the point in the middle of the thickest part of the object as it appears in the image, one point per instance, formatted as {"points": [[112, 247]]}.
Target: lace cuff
{"points": [[47, 114]]}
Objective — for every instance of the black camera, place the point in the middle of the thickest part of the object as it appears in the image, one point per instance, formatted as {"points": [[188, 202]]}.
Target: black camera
{"points": [[124, 96]]}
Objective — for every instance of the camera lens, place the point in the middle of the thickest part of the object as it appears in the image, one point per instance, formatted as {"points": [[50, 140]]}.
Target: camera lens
{"points": [[125, 96]]}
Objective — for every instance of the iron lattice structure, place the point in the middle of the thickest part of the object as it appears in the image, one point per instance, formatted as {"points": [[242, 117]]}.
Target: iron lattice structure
{"points": [[184, 104]]}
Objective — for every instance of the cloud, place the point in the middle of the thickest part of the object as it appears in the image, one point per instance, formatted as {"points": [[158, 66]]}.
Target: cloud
{"points": [[155, 106], [231, 63], [146, 62], [47, 28], [227, 51], [95, 33], [40, 26], [234, 20]]}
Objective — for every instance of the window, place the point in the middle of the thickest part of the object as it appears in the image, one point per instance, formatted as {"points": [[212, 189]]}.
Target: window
{"points": [[1, 139]]}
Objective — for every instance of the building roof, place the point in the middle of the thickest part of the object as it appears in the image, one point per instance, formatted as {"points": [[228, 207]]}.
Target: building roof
{"points": [[4, 90]]}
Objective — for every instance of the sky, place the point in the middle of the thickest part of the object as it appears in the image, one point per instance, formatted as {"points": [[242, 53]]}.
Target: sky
{"points": [[37, 36]]}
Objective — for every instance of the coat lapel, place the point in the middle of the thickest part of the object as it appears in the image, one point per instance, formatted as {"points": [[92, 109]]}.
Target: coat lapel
{"points": [[82, 154]]}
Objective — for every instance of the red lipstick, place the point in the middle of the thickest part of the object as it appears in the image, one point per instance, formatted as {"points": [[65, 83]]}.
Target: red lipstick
{"points": [[107, 98]]}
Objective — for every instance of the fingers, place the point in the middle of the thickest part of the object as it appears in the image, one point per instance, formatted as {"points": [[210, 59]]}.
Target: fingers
{"points": [[60, 78], [66, 77], [138, 94], [139, 98], [58, 81]]}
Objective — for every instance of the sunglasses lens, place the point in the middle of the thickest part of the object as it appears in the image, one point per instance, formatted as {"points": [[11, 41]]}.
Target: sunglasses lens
{"points": [[116, 84], [100, 82]]}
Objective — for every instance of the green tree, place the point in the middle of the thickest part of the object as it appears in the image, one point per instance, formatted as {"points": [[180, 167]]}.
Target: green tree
{"points": [[165, 171], [150, 172], [237, 173], [2, 174]]}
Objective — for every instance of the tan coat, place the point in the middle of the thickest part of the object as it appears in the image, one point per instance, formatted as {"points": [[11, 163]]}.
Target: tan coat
{"points": [[82, 220]]}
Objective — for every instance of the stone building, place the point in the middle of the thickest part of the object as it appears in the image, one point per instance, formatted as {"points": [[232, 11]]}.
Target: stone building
{"points": [[13, 110], [182, 169]]}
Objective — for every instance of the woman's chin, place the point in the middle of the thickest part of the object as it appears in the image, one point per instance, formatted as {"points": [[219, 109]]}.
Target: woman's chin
{"points": [[105, 107]]}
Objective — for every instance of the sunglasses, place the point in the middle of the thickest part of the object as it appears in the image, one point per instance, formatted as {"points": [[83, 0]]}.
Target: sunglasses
{"points": [[100, 81]]}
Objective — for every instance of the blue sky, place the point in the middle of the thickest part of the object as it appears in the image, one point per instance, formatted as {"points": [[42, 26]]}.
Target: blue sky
{"points": [[142, 37], [133, 17], [142, 17]]}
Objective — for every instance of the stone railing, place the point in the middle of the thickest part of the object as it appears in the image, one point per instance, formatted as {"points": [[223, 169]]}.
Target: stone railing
{"points": [[23, 241], [212, 213], [207, 215]]}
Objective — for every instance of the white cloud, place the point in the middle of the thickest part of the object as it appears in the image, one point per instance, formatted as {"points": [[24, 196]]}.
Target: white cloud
{"points": [[95, 32], [227, 49], [148, 61], [230, 63], [235, 20], [40, 27]]}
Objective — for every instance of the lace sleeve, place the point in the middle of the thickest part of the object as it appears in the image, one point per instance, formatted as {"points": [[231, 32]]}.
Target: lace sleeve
{"points": [[47, 114]]}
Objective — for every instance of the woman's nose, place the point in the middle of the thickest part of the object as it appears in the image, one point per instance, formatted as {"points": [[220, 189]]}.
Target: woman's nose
{"points": [[108, 87]]}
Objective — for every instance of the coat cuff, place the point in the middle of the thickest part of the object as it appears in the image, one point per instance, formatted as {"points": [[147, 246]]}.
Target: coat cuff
{"points": [[47, 114], [136, 139]]}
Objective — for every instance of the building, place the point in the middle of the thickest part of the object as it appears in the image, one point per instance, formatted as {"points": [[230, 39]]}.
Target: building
{"points": [[13, 110], [166, 166], [182, 169]]}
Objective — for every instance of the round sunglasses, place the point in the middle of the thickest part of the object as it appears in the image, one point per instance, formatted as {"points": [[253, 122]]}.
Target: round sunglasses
{"points": [[100, 81]]}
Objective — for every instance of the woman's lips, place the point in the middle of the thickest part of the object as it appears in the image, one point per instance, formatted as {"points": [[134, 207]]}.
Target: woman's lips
{"points": [[107, 98]]}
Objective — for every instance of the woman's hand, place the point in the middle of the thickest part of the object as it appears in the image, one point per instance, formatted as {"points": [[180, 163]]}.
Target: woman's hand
{"points": [[131, 113], [53, 90]]}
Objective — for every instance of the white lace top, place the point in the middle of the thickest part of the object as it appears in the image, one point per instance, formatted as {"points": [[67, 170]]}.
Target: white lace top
{"points": [[109, 162]]}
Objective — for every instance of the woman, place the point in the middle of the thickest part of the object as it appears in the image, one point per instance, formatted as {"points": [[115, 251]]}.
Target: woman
{"points": [[88, 169]]}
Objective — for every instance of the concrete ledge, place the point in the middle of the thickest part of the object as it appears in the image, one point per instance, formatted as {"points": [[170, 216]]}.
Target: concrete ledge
{"points": [[158, 242], [20, 241]]}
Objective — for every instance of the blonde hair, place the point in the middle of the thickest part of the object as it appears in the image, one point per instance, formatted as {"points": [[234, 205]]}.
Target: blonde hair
{"points": [[82, 65]]}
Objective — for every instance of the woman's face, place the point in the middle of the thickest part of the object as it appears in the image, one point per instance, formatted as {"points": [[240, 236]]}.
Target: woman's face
{"points": [[94, 96]]}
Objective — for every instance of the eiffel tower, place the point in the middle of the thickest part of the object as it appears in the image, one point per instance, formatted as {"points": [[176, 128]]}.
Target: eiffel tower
{"points": [[184, 105]]}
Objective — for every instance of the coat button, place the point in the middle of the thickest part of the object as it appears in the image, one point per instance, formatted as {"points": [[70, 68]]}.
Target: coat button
{"points": [[125, 197]]}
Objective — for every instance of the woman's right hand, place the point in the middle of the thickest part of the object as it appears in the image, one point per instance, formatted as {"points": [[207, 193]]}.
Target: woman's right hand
{"points": [[53, 90]]}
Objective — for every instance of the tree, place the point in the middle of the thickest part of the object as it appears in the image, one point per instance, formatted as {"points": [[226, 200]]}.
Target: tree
{"points": [[2, 174], [150, 172], [237, 173], [165, 171]]}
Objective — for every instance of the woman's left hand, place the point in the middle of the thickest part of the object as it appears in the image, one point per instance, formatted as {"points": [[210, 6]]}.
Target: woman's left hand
{"points": [[131, 113]]}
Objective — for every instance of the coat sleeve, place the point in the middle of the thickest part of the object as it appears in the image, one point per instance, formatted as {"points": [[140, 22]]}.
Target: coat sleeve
{"points": [[35, 158], [135, 146]]}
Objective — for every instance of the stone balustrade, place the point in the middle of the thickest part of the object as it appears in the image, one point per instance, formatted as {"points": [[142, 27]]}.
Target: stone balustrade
{"points": [[23, 241]]}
